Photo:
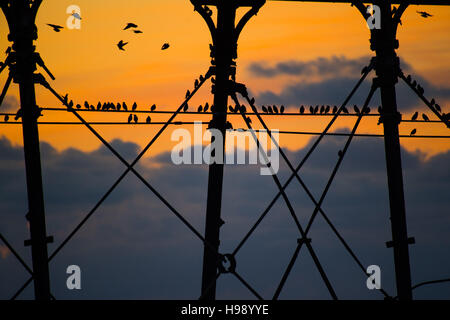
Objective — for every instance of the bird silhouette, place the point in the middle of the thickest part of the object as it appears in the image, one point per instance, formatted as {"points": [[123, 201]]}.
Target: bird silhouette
{"points": [[121, 44], [99, 105], [200, 108], [252, 101], [432, 102], [86, 105], [264, 109], [6, 118], [344, 110], [269, 108], [70, 104], [134, 106], [135, 119], [408, 78], [311, 109], [8, 50], [18, 114], [420, 90], [55, 27], [414, 83], [425, 117], [282, 109], [335, 109], [230, 108], [438, 107], [196, 83], [118, 106], [153, 107], [275, 109], [201, 78], [186, 107], [316, 109], [165, 46], [137, 31], [340, 153], [130, 117], [148, 120], [302, 109], [424, 14], [130, 25], [356, 109], [413, 132], [206, 108], [124, 106], [327, 109], [78, 106], [188, 93], [322, 109], [415, 115]]}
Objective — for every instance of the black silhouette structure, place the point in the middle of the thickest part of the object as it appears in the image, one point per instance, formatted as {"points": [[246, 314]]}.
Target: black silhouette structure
{"points": [[22, 61]]}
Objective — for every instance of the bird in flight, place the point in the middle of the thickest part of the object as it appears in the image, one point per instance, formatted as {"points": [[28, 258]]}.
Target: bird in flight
{"points": [[130, 25], [121, 44], [137, 31], [424, 14], [55, 27], [165, 46]]}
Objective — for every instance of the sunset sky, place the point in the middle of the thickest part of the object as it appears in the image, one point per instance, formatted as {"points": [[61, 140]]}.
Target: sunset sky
{"points": [[88, 65], [290, 54]]}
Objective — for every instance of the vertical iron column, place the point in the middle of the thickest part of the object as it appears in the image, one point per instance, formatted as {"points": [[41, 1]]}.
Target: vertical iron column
{"points": [[223, 54], [387, 65], [23, 32]]}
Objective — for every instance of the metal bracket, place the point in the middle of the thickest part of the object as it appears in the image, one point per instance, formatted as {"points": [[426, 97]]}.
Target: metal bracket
{"points": [[390, 244]]}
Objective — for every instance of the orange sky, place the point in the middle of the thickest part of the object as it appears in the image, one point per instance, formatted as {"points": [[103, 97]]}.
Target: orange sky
{"points": [[88, 66]]}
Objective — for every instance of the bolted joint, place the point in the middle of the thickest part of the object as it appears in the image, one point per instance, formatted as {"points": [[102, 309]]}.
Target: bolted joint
{"points": [[391, 244], [227, 258], [28, 242], [303, 240]]}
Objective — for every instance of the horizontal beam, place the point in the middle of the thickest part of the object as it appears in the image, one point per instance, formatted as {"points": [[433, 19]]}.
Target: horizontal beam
{"points": [[412, 2]]}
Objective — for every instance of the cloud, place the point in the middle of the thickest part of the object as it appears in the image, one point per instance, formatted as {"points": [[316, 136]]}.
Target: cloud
{"points": [[134, 247], [4, 251], [338, 76], [10, 103]]}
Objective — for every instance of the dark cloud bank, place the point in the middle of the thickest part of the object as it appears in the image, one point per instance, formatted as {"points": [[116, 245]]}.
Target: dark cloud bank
{"points": [[135, 248], [339, 76]]}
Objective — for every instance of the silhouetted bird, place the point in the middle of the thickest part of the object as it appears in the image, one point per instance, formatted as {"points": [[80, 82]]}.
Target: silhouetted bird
{"points": [[356, 109], [121, 44], [414, 83], [148, 120], [420, 90], [413, 132], [130, 25], [78, 106], [86, 105], [340, 153], [66, 99], [92, 107], [316, 109], [200, 108], [206, 108], [327, 109], [124, 106], [137, 31], [252, 101], [432, 102], [322, 109], [408, 78], [201, 78], [242, 108], [415, 115], [424, 14], [366, 110], [135, 119], [55, 27], [186, 107], [153, 107], [118, 106], [438, 108], [335, 109], [344, 110], [264, 109], [165, 46], [282, 109], [302, 109], [6, 118], [196, 83], [134, 106], [130, 117], [70, 104], [99, 105], [311, 109], [425, 117], [8, 50], [275, 109], [230, 108], [269, 108]]}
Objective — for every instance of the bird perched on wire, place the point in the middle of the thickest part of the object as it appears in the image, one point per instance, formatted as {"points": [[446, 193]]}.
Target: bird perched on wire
{"points": [[282, 109], [186, 107], [6, 118], [425, 117], [124, 106], [269, 109], [121, 44], [148, 120], [18, 114], [413, 132], [415, 115], [302, 109], [344, 110], [206, 108], [424, 14], [135, 117], [355, 107], [134, 106], [130, 117], [275, 109], [264, 109], [327, 109], [130, 25], [200, 108], [438, 107], [335, 109], [153, 107], [55, 27], [165, 46]]}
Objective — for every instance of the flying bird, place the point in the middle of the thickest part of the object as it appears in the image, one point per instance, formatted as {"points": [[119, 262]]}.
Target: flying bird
{"points": [[413, 132], [415, 115], [121, 44], [130, 25], [165, 46], [55, 27], [137, 31], [424, 14]]}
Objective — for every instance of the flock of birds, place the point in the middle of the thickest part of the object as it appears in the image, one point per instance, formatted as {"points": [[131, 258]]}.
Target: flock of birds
{"points": [[121, 44]]}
